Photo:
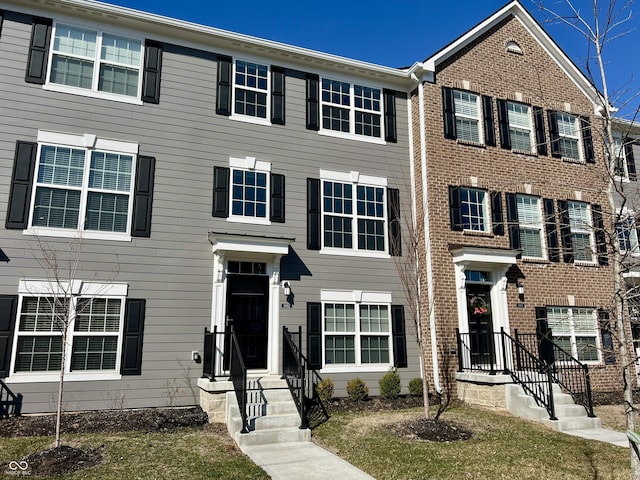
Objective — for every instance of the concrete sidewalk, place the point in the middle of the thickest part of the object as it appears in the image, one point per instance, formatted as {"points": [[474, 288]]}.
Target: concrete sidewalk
{"points": [[602, 435], [294, 461]]}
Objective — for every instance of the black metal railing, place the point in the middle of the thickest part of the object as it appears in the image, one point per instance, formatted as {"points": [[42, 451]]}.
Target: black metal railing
{"points": [[567, 371], [477, 352], [10, 403], [210, 353], [238, 376], [302, 380]]}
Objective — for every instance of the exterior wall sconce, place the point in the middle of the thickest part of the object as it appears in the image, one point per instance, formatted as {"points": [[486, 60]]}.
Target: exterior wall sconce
{"points": [[286, 289], [520, 289], [288, 295]]}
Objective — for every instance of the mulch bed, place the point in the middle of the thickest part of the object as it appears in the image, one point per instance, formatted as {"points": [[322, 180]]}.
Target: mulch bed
{"points": [[430, 429]]}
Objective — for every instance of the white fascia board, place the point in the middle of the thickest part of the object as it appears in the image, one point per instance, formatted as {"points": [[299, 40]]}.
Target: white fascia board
{"points": [[247, 244], [477, 255], [177, 31]]}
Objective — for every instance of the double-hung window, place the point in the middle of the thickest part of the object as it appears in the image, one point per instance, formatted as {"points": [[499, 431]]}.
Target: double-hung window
{"points": [[520, 126], [474, 209], [351, 109], [575, 330], [356, 329], [96, 61], [582, 238], [530, 226], [251, 89], [627, 232], [250, 197], [468, 115], [354, 213], [568, 135], [92, 315], [83, 184]]}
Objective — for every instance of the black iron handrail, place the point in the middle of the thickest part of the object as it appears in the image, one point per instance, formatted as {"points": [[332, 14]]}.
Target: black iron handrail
{"points": [[10, 403], [209, 353], [302, 381], [238, 376]]}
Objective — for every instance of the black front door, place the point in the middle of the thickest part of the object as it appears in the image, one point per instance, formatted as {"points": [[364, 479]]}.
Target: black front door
{"points": [[247, 311], [480, 324]]}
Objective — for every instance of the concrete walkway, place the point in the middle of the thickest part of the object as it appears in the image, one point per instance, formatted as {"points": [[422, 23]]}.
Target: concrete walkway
{"points": [[602, 435], [293, 461]]}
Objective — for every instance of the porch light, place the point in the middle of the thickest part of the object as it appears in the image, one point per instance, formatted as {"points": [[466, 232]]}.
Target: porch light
{"points": [[520, 289], [287, 289]]}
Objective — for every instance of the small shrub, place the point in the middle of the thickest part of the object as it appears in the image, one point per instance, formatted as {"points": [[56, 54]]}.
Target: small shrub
{"points": [[390, 384], [415, 387], [325, 389], [357, 390]]}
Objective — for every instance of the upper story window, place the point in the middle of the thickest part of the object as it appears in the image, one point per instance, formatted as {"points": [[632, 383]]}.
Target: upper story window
{"points": [[351, 109], [571, 137], [581, 231], [627, 232], [96, 61], [575, 330], [251, 89], [520, 126], [467, 112], [530, 226], [468, 117], [625, 166], [474, 209], [249, 193]]}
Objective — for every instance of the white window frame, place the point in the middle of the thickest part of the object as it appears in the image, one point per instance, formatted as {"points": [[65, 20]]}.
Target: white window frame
{"points": [[351, 108], [355, 179], [520, 128], [234, 91], [631, 236], [581, 229], [93, 91], [486, 217], [249, 164], [88, 143], [578, 138], [572, 334], [539, 225], [73, 291], [356, 298], [464, 116]]}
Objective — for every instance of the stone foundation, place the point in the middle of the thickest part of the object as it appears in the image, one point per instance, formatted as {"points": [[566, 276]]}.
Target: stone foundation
{"points": [[483, 390], [213, 399]]}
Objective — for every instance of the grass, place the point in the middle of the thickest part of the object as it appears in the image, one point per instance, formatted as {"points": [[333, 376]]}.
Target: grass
{"points": [[183, 454], [503, 447]]}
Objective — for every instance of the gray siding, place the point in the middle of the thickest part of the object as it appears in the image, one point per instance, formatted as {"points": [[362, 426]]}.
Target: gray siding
{"points": [[172, 270]]}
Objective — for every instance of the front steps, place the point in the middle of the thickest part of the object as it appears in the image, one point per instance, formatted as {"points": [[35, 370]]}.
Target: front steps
{"points": [[272, 414], [570, 416]]}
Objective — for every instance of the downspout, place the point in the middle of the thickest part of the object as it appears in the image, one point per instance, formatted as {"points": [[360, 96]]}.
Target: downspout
{"points": [[427, 236]]}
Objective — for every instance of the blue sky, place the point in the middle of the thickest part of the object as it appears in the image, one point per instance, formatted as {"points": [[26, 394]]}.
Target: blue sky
{"points": [[393, 33]]}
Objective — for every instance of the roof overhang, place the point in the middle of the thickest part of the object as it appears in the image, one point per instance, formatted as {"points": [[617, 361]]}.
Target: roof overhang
{"points": [[233, 242], [483, 256]]}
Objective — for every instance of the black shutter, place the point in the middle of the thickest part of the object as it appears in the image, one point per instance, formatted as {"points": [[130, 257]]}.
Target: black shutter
{"points": [[220, 192], [489, 126], [151, 72], [277, 95], [313, 214], [313, 102], [455, 211], [223, 100], [143, 196], [541, 138], [8, 309], [393, 213], [631, 163], [399, 336], [38, 51], [601, 237], [277, 198], [565, 231], [20, 194], [607, 337], [134, 313], [314, 335], [390, 124], [553, 134], [448, 113], [512, 221], [503, 123], [587, 140], [545, 337], [496, 213], [552, 232]]}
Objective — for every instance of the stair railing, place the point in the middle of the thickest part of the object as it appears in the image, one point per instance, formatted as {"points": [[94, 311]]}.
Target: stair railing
{"points": [[238, 376], [301, 380], [10, 403]]}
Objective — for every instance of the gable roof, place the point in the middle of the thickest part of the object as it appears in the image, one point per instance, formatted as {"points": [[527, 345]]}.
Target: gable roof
{"points": [[516, 10]]}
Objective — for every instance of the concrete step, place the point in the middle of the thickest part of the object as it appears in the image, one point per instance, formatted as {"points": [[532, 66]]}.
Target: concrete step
{"points": [[573, 423], [266, 437], [266, 382], [262, 409], [265, 396]]}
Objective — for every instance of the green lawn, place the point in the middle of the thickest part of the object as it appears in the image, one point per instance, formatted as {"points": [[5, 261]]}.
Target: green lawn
{"points": [[503, 447]]}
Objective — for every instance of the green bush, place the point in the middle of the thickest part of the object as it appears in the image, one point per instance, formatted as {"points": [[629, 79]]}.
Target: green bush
{"points": [[357, 390], [390, 384], [415, 387], [325, 389]]}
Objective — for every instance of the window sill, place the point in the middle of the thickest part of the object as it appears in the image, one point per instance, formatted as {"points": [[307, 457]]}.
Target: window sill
{"points": [[578, 161], [528, 153], [543, 261], [251, 220], [91, 93], [249, 119], [354, 253], [470, 143], [85, 234], [620, 178], [584, 263], [54, 377], [352, 136], [476, 233], [351, 368]]}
